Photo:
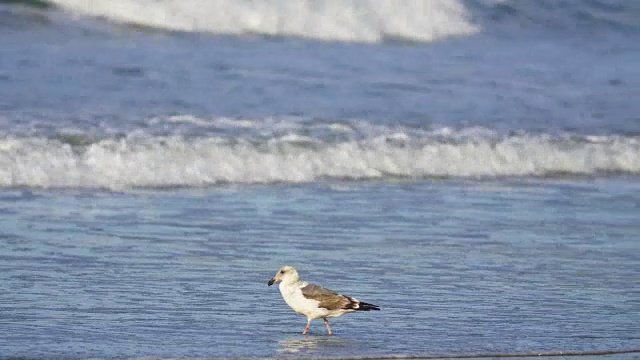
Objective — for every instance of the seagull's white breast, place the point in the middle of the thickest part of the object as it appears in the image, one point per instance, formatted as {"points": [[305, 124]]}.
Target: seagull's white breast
{"points": [[292, 295]]}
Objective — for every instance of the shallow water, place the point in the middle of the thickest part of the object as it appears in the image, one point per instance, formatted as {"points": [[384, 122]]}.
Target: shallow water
{"points": [[466, 267]]}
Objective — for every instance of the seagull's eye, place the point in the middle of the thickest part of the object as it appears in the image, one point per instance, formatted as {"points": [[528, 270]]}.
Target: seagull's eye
{"points": [[281, 271]]}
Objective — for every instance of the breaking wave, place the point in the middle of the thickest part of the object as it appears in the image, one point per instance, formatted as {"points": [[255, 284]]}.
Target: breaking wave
{"points": [[357, 21], [147, 161], [363, 21]]}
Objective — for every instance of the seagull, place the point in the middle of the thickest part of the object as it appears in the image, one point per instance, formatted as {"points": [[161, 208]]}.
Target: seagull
{"points": [[313, 301]]}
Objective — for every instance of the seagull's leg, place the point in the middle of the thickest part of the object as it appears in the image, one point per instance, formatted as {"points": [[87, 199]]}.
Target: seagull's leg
{"points": [[326, 323], [307, 328]]}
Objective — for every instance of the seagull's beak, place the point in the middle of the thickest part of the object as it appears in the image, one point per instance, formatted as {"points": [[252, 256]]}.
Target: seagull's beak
{"points": [[274, 280]]}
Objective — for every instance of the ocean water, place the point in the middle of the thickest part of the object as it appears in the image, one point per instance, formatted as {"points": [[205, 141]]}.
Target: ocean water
{"points": [[471, 167]]}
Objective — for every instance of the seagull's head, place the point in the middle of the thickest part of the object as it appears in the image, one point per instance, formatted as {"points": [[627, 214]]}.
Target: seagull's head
{"points": [[286, 274]]}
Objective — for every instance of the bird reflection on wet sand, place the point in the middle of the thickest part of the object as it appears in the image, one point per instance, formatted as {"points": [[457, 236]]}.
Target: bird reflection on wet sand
{"points": [[311, 345]]}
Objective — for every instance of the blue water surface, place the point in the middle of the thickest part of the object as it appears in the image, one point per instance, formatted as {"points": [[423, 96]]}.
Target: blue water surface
{"points": [[459, 267]]}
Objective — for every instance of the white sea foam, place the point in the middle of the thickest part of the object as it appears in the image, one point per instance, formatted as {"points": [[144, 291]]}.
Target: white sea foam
{"points": [[148, 161], [358, 20]]}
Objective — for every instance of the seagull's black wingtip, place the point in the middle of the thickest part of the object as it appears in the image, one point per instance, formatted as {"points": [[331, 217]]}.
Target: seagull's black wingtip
{"points": [[367, 307]]}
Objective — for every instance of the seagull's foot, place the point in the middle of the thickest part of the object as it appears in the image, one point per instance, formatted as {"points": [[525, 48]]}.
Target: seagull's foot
{"points": [[326, 323], [304, 332]]}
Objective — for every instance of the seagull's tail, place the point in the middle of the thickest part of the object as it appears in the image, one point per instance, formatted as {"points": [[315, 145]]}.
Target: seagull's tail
{"points": [[363, 306], [357, 305]]}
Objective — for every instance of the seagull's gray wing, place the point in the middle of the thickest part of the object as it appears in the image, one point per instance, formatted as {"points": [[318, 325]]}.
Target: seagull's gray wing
{"points": [[329, 299]]}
